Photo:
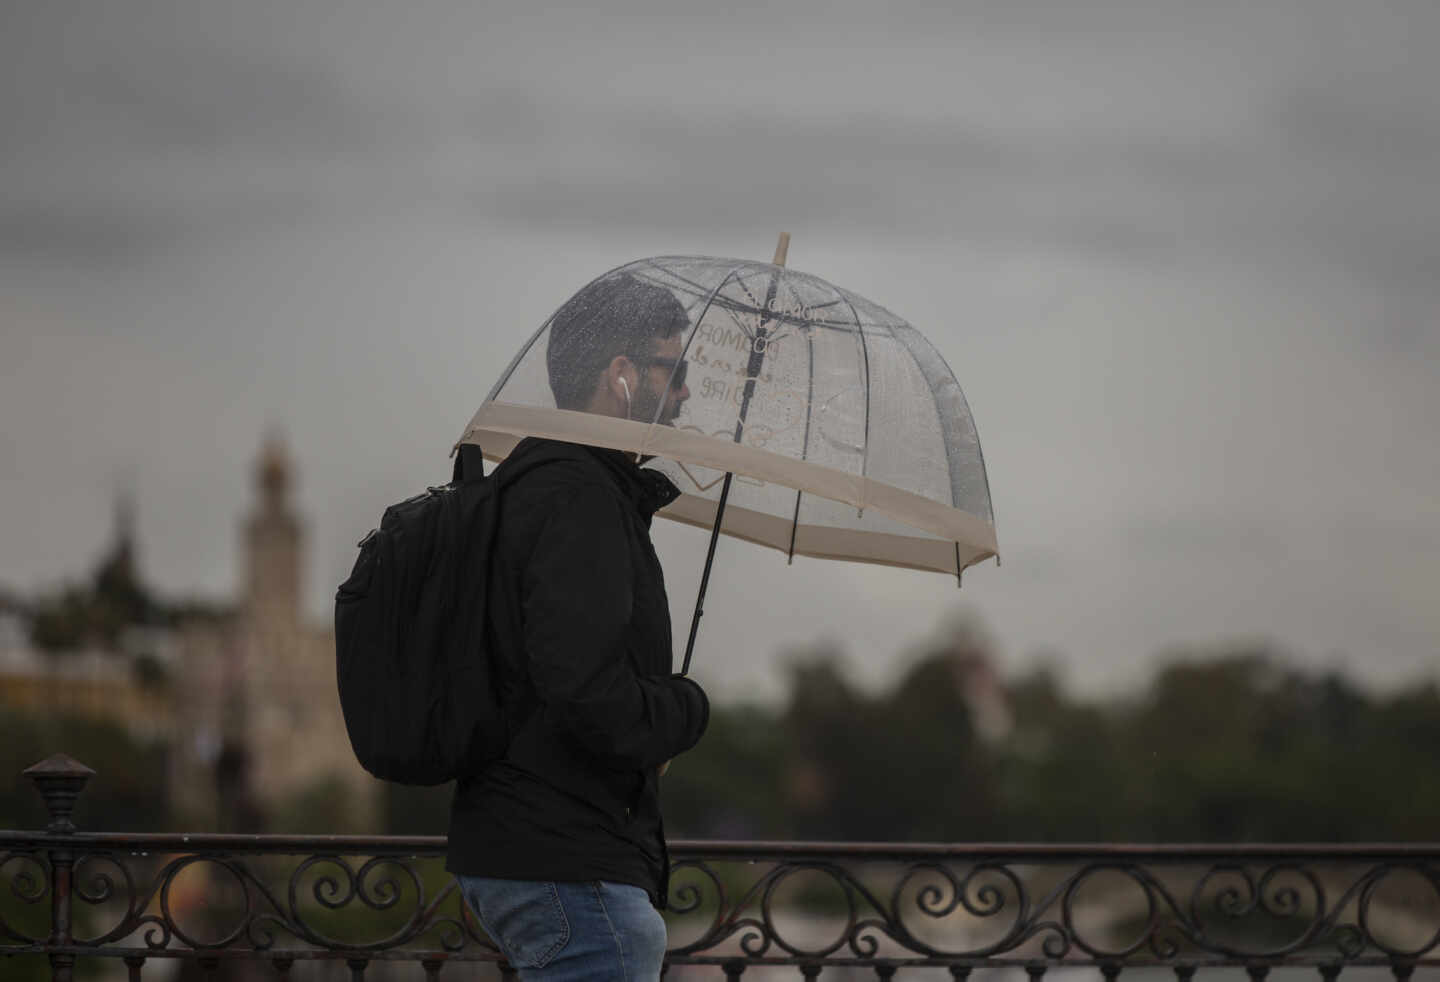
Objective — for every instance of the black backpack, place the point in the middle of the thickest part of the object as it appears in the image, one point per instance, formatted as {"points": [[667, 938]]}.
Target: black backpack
{"points": [[411, 660]]}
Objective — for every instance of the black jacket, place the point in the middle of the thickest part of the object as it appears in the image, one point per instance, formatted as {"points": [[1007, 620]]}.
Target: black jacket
{"points": [[581, 632]]}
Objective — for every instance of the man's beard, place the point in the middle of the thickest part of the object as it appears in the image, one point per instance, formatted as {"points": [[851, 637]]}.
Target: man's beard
{"points": [[649, 406]]}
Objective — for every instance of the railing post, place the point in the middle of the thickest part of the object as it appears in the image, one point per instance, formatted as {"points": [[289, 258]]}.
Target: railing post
{"points": [[60, 779]]}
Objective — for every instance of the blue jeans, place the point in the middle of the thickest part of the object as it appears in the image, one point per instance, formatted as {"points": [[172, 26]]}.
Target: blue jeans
{"points": [[559, 932]]}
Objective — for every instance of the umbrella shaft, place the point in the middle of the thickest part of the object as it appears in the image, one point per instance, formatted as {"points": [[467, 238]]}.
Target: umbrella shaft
{"points": [[752, 374], [705, 576]]}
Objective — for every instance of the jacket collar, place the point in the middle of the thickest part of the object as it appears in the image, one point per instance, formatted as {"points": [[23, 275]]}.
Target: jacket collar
{"points": [[649, 489]]}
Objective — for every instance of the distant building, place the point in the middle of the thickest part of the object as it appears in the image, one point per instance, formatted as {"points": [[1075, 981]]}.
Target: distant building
{"points": [[93, 684], [245, 693], [257, 720], [983, 691], [105, 662]]}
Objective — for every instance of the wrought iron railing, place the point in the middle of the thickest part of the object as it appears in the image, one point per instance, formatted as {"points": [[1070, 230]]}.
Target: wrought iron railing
{"points": [[312, 907]]}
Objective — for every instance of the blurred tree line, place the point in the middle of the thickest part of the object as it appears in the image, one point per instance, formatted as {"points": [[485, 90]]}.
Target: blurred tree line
{"points": [[127, 796], [1222, 745]]}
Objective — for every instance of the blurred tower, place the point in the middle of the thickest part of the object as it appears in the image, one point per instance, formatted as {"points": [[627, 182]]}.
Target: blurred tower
{"points": [[294, 746], [120, 599], [273, 544], [121, 562], [268, 748]]}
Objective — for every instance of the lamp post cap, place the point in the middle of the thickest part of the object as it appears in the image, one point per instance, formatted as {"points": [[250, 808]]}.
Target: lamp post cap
{"points": [[59, 779], [60, 765]]}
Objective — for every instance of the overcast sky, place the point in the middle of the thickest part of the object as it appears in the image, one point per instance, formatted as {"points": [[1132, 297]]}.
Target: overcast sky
{"points": [[1183, 258]]}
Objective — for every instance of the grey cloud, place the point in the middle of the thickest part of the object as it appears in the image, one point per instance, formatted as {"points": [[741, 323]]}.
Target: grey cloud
{"points": [[1381, 537], [1218, 536], [1327, 172], [84, 84], [1386, 553], [90, 234], [1396, 245], [862, 171], [1143, 197], [211, 99], [1389, 129]]}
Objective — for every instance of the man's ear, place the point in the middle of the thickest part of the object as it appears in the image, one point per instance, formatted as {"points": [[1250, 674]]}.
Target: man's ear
{"points": [[621, 367]]}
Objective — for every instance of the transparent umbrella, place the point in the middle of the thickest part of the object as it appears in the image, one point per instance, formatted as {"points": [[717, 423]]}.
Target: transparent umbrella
{"points": [[789, 412]]}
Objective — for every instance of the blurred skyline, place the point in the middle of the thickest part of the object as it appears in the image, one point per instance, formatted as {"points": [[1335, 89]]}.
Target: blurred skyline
{"points": [[1184, 261]]}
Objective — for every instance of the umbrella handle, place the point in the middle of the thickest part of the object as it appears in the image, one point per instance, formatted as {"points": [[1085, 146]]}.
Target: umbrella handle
{"points": [[705, 576], [781, 248]]}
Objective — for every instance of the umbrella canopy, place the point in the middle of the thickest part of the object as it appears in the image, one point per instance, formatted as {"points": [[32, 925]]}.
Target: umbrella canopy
{"points": [[846, 432]]}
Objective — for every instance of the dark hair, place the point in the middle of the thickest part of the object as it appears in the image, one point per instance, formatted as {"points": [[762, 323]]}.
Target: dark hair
{"points": [[615, 315]]}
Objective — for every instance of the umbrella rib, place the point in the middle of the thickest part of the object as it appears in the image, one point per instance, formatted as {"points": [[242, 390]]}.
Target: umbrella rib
{"points": [[865, 356], [794, 527], [740, 281], [726, 303], [914, 342], [942, 421], [734, 314], [805, 444], [691, 340], [514, 362], [701, 292], [809, 409]]}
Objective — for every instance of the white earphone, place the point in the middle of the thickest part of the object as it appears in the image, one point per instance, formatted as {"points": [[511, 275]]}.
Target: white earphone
{"points": [[626, 386]]}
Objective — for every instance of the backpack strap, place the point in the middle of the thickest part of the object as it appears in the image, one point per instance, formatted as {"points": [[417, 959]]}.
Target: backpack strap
{"points": [[469, 463]]}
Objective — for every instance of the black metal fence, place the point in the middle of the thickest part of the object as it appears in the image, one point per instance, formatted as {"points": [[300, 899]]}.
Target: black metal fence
{"points": [[226, 907]]}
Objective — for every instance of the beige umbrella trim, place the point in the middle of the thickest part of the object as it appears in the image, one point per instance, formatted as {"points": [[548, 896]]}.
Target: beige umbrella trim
{"points": [[827, 542], [497, 427]]}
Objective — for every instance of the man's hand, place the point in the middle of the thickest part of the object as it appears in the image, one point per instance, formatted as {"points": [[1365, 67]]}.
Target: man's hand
{"points": [[663, 768]]}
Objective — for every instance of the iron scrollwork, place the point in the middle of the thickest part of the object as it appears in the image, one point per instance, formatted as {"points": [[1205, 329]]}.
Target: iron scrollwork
{"points": [[211, 901], [737, 904], [29, 884], [1165, 912]]}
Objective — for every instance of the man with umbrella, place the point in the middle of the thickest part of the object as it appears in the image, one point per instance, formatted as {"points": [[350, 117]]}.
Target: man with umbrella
{"points": [[559, 846]]}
